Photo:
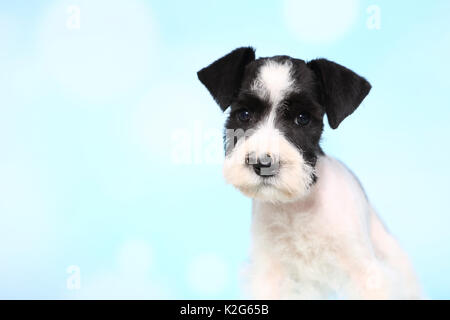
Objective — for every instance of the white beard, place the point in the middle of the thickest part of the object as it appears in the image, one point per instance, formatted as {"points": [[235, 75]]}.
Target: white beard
{"points": [[291, 183]]}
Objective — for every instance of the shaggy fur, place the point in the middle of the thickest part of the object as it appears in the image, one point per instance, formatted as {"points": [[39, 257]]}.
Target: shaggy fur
{"points": [[315, 234]]}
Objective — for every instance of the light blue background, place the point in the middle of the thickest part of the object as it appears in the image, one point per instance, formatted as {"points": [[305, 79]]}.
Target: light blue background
{"points": [[87, 124]]}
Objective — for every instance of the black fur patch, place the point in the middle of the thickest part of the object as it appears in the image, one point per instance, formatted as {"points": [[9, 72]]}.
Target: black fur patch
{"points": [[341, 90], [223, 77]]}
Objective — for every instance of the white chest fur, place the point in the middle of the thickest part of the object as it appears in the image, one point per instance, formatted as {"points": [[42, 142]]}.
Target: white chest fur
{"points": [[330, 243]]}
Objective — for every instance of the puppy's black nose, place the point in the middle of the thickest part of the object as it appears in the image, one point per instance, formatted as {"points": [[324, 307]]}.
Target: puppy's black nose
{"points": [[262, 165]]}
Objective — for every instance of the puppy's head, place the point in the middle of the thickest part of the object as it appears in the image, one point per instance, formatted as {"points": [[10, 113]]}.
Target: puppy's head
{"points": [[275, 122]]}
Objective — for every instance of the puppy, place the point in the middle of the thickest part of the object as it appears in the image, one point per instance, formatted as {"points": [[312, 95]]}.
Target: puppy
{"points": [[314, 233]]}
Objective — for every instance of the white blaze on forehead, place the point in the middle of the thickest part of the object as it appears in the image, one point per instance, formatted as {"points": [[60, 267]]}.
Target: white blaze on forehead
{"points": [[274, 80]]}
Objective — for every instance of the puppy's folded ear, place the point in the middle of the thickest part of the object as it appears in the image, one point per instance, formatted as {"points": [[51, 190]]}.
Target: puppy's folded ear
{"points": [[223, 77], [342, 90]]}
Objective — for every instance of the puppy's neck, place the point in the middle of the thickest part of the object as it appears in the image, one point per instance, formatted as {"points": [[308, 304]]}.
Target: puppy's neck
{"points": [[336, 191]]}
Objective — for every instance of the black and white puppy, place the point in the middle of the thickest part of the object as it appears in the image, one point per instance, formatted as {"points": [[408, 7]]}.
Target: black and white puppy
{"points": [[315, 235]]}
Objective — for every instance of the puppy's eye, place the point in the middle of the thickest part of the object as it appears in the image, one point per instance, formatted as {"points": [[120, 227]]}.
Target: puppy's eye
{"points": [[302, 119], [244, 115]]}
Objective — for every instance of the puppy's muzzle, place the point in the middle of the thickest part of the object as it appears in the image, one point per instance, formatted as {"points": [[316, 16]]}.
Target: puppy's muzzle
{"points": [[264, 165]]}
